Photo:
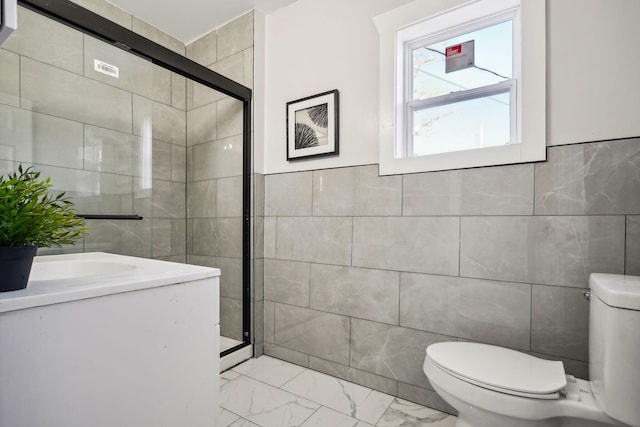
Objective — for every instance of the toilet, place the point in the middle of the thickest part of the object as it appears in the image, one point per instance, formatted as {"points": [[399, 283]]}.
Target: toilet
{"points": [[491, 386]]}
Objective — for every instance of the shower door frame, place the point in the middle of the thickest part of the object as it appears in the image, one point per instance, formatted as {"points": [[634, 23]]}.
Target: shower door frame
{"points": [[90, 23]]}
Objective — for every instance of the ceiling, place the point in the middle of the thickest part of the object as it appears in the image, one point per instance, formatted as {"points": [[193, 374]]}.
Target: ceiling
{"points": [[188, 20]]}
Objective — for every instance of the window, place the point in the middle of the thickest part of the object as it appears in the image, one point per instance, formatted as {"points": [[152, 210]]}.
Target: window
{"points": [[452, 90]]}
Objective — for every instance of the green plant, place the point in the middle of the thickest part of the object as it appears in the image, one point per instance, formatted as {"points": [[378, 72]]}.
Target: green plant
{"points": [[30, 216]]}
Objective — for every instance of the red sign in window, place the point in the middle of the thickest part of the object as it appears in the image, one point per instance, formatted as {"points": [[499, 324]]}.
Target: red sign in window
{"points": [[454, 50]]}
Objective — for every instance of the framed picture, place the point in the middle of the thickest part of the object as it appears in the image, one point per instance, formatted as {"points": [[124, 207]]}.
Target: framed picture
{"points": [[312, 126]]}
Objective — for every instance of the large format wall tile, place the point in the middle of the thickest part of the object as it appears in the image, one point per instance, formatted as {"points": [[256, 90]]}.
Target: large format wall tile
{"points": [[9, 78], [203, 50], [135, 73], [50, 90], [424, 397], [312, 332], [161, 159], [123, 237], [270, 229], [161, 234], [93, 192], [228, 237], [199, 95], [234, 36], [218, 159], [166, 123], [422, 245], [218, 237], [231, 67], [161, 81], [46, 40], [115, 152], [201, 199], [577, 368], [230, 277], [560, 322], [178, 163], [257, 248], [356, 191], [257, 325], [288, 194], [179, 237], [258, 194], [482, 310], [504, 190], [248, 67], [287, 282], [201, 124], [229, 197], [324, 240], [203, 260], [38, 138], [376, 382], [546, 250], [178, 91], [257, 288], [356, 292], [391, 351], [594, 178], [168, 199], [231, 318], [269, 321], [632, 263], [230, 117]]}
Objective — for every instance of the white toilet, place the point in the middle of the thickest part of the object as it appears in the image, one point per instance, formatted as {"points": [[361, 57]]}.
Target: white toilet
{"points": [[496, 387]]}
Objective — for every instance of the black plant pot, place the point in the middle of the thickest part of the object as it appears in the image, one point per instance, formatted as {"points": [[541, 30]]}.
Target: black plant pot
{"points": [[15, 266]]}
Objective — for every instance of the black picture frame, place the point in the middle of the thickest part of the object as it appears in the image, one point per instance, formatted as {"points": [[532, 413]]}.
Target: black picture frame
{"points": [[313, 126]]}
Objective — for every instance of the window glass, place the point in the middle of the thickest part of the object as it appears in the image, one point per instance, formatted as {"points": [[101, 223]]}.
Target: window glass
{"points": [[465, 109], [493, 62], [465, 125]]}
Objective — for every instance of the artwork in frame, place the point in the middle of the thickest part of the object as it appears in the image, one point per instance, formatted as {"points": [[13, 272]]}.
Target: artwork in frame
{"points": [[312, 126]]}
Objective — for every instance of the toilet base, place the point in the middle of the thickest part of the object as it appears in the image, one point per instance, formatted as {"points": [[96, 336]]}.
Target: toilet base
{"points": [[511, 411], [470, 416]]}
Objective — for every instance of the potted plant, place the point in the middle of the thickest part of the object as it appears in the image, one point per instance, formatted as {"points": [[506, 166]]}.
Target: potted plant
{"points": [[30, 218]]}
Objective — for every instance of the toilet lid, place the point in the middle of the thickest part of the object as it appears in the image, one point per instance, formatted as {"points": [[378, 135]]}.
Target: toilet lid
{"points": [[499, 368]]}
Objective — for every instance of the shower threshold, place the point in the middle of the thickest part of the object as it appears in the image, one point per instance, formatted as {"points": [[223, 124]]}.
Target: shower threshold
{"points": [[230, 360]]}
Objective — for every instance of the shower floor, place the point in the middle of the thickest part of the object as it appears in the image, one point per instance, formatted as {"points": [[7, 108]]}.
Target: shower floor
{"points": [[238, 356], [227, 343]]}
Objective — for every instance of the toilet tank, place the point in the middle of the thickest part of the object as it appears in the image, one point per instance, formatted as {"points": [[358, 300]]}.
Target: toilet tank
{"points": [[614, 345]]}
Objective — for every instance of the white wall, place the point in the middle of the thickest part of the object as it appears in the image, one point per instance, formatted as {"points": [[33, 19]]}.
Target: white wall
{"points": [[312, 46], [594, 59]]}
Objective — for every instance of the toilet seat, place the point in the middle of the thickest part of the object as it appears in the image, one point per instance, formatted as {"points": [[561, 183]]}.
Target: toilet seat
{"points": [[500, 369]]}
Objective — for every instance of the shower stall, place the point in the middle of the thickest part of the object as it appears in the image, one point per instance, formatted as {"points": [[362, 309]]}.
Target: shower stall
{"points": [[154, 149]]}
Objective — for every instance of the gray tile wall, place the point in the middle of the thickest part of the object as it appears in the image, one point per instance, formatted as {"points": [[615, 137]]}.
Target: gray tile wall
{"points": [[362, 272], [116, 145], [214, 162]]}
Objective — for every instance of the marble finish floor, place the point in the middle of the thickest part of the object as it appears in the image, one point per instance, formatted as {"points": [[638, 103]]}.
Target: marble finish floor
{"points": [[268, 392]]}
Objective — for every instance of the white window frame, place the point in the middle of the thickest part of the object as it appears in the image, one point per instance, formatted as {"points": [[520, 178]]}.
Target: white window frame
{"points": [[399, 30]]}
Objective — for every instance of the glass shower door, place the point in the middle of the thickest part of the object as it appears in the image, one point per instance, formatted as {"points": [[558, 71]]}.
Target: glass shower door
{"points": [[157, 157]]}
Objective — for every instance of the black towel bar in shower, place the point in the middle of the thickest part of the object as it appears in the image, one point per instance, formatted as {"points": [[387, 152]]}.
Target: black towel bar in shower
{"points": [[111, 217]]}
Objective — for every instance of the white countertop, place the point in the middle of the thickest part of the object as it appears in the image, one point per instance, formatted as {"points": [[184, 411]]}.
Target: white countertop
{"points": [[96, 274]]}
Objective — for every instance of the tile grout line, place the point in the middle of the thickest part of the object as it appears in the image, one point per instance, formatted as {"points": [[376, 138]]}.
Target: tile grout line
{"points": [[314, 372]]}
